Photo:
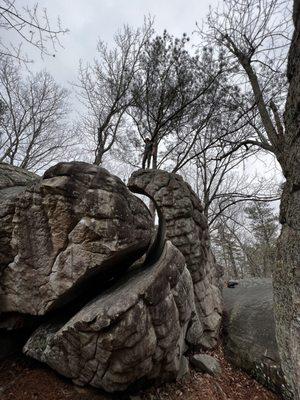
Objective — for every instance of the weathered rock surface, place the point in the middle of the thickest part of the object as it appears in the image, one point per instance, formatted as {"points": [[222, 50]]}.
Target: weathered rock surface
{"points": [[131, 333], [287, 271], [78, 223], [13, 181], [206, 363], [250, 332], [187, 229], [11, 176], [73, 239]]}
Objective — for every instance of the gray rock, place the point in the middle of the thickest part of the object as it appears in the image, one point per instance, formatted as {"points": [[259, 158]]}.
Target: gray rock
{"points": [[78, 224], [187, 229], [13, 181], [206, 363], [11, 176], [184, 368], [133, 332], [194, 333], [249, 326]]}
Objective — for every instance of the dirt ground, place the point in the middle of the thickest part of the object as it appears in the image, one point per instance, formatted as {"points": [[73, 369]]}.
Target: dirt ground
{"points": [[24, 379]]}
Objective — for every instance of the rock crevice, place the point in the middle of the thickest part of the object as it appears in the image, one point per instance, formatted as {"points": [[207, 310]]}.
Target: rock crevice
{"points": [[113, 307], [76, 223], [186, 227], [133, 331]]}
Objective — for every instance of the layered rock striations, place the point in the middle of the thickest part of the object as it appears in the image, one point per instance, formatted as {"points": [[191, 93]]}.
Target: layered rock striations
{"points": [[77, 223], [13, 181], [249, 329], [113, 305], [134, 331], [187, 229]]}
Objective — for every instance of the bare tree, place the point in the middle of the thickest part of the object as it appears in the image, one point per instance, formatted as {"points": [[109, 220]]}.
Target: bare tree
{"points": [[256, 35], [263, 223], [227, 250], [28, 25], [283, 140], [222, 182], [230, 242], [104, 87], [245, 241], [33, 128]]}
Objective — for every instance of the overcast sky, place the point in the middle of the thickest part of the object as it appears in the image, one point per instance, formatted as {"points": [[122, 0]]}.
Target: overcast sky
{"points": [[89, 20]]}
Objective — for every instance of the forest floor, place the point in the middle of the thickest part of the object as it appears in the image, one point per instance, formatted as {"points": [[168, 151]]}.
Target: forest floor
{"points": [[24, 379]]}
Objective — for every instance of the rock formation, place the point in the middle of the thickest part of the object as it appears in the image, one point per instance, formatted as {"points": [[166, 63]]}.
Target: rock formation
{"points": [[249, 327], [187, 229], [13, 181], [73, 272], [287, 273], [206, 364], [76, 223], [134, 331]]}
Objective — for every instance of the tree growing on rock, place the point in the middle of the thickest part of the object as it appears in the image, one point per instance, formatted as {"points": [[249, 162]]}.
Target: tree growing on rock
{"points": [[168, 89], [104, 87]]}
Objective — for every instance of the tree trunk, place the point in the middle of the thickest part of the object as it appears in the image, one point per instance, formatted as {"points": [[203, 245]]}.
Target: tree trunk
{"points": [[287, 274], [98, 157], [232, 261], [154, 155]]}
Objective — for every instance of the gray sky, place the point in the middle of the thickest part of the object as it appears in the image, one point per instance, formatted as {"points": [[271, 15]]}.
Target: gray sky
{"points": [[89, 20]]}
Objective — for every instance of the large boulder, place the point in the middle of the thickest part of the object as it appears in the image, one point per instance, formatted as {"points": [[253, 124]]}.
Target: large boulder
{"points": [[12, 176], [77, 225], [186, 227], [133, 332], [13, 181], [108, 320], [249, 327]]}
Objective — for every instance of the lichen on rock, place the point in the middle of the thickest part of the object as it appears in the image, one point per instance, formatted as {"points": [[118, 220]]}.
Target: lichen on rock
{"points": [[77, 223], [134, 331], [187, 229]]}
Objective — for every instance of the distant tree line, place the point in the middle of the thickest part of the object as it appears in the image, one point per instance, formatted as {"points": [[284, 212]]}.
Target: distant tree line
{"points": [[246, 243]]}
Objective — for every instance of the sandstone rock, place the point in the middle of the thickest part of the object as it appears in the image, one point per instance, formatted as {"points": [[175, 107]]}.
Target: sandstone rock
{"points": [[11, 176], [184, 368], [133, 332], [79, 224], [250, 332], [13, 181], [206, 363], [187, 229]]}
